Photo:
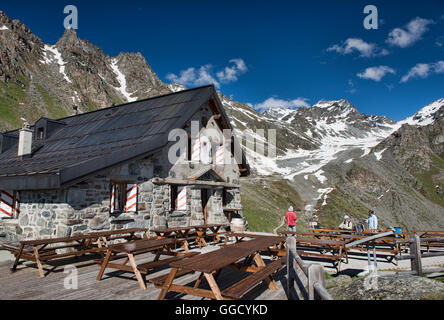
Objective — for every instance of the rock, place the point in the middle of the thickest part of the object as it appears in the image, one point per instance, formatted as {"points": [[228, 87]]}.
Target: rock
{"points": [[338, 281], [390, 287], [98, 222]]}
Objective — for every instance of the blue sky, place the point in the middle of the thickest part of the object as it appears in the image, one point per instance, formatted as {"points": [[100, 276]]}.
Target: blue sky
{"points": [[269, 53]]}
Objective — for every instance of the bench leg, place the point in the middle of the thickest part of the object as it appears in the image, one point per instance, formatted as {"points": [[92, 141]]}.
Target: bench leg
{"points": [[136, 271], [198, 281], [167, 284], [104, 264], [260, 263], [18, 256], [39, 264], [213, 285]]}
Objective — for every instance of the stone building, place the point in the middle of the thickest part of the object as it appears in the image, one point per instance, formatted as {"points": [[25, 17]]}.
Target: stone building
{"points": [[163, 161]]}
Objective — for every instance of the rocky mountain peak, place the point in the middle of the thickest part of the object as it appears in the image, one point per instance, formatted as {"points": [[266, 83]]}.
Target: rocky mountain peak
{"points": [[69, 39], [426, 115]]}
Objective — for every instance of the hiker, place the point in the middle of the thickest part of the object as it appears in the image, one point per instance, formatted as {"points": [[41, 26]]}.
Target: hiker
{"points": [[372, 221], [246, 224], [346, 224], [291, 219]]}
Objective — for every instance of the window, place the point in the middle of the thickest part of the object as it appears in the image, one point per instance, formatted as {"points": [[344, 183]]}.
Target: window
{"points": [[123, 197], [178, 199], [40, 133], [9, 204]]}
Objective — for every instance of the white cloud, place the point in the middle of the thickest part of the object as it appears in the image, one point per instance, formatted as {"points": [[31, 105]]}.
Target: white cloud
{"points": [[280, 103], [230, 73], [423, 70], [411, 33], [204, 75], [194, 77], [375, 73], [365, 49]]}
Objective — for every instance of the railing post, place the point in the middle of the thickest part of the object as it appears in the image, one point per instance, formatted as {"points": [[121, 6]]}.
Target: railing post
{"points": [[415, 254], [315, 274], [291, 247]]}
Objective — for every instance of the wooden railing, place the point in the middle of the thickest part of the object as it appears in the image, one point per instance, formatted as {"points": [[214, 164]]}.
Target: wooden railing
{"points": [[313, 272], [416, 256]]}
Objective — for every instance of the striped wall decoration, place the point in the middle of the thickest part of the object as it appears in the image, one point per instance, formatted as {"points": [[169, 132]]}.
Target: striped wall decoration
{"points": [[195, 150], [181, 198], [113, 198], [220, 154], [131, 198], [6, 203]]}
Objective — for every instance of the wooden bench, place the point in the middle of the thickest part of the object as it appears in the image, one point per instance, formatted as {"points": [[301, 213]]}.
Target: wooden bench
{"points": [[239, 289]]}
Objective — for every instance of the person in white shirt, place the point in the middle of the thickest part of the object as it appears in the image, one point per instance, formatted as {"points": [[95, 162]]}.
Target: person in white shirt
{"points": [[346, 224], [372, 221]]}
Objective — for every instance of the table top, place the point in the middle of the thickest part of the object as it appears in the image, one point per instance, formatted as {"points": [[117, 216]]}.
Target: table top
{"points": [[218, 259], [138, 245]]}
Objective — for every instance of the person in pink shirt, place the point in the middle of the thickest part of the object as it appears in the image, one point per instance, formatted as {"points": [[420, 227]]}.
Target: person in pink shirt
{"points": [[291, 219]]}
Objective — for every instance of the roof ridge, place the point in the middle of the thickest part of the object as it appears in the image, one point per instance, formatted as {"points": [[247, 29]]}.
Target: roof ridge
{"points": [[144, 99]]}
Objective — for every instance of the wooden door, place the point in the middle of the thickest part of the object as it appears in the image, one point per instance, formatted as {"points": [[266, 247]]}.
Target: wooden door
{"points": [[204, 198]]}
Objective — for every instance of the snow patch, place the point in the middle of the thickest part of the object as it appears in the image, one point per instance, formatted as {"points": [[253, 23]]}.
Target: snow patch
{"points": [[378, 155], [4, 28], [56, 57], [319, 176], [425, 116], [122, 81]]}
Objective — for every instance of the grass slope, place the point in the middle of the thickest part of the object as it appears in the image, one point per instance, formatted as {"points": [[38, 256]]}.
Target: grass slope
{"points": [[265, 202]]}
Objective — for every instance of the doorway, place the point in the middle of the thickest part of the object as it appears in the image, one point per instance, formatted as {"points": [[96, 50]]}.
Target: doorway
{"points": [[205, 195]]}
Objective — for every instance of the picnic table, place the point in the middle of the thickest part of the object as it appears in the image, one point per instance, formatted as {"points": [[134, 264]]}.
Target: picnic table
{"points": [[209, 266], [387, 244], [181, 234], [306, 246], [202, 232], [130, 249], [44, 250]]}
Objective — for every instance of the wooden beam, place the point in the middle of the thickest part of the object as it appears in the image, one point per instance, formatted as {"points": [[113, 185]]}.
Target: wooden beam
{"points": [[194, 182]]}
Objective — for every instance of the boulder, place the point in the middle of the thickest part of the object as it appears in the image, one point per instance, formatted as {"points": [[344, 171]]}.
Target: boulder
{"points": [[390, 287]]}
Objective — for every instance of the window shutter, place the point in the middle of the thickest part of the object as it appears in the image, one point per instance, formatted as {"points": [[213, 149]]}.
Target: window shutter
{"points": [[195, 154], [6, 203], [205, 150], [131, 198], [17, 204], [181, 199], [113, 198], [220, 154]]}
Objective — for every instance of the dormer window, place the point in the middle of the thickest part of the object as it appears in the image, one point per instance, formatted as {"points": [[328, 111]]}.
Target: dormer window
{"points": [[40, 133]]}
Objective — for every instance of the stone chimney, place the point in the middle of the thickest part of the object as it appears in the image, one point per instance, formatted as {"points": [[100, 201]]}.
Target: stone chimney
{"points": [[25, 141]]}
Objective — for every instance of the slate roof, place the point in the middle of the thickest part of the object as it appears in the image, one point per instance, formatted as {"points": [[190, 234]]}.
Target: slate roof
{"points": [[84, 144]]}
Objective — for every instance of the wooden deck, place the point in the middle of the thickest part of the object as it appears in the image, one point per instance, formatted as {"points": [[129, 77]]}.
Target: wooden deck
{"points": [[26, 284]]}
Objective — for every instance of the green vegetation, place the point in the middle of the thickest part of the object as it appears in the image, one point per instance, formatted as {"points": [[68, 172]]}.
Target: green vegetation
{"points": [[428, 183], [265, 202], [11, 95], [52, 106]]}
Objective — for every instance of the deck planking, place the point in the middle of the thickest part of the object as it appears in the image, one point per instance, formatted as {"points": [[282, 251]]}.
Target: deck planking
{"points": [[25, 283]]}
